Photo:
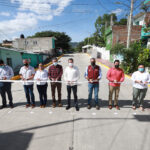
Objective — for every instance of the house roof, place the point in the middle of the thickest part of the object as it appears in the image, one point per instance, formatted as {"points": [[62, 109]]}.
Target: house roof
{"points": [[37, 38], [87, 46], [138, 15], [16, 50]]}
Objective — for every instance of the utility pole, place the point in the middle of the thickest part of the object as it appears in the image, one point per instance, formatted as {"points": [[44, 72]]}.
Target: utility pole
{"points": [[111, 21], [130, 24]]}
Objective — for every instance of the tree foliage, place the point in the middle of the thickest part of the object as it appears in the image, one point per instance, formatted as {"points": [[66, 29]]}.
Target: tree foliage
{"points": [[122, 21], [133, 56], [102, 22]]}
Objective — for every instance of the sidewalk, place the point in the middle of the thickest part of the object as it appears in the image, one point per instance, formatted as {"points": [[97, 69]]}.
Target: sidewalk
{"points": [[106, 62]]}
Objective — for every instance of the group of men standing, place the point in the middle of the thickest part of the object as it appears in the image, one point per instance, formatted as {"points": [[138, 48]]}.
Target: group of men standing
{"points": [[93, 74]]}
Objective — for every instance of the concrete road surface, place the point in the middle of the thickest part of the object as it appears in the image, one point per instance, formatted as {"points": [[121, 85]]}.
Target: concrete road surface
{"points": [[57, 129]]}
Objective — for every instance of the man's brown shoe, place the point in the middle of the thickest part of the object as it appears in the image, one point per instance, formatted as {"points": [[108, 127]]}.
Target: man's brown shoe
{"points": [[60, 105], [54, 105], [27, 105], [117, 107], [89, 107], [41, 106], [33, 105], [110, 106]]}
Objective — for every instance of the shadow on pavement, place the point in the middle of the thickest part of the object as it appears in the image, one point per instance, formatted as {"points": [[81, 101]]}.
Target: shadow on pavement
{"points": [[20, 139], [15, 140], [84, 102]]}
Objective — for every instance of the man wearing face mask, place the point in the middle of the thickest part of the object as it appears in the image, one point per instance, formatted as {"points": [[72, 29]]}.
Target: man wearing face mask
{"points": [[140, 80], [71, 76], [27, 73], [6, 73], [55, 73], [93, 74], [115, 76]]}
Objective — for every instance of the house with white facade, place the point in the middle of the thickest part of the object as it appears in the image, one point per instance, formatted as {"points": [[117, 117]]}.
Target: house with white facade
{"points": [[36, 45]]}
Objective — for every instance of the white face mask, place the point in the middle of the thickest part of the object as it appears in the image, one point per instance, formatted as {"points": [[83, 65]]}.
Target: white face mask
{"points": [[70, 64], [55, 63]]}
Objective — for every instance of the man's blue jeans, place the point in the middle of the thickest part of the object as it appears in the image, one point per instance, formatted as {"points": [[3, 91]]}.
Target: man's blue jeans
{"points": [[94, 86], [29, 93]]}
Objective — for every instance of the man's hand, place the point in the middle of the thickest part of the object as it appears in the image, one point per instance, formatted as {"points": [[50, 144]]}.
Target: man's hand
{"points": [[39, 79], [138, 81], [56, 79], [53, 79], [115, 81], [87, 78], [4, 78], [145, 83], [23, 78], [91, 80]]}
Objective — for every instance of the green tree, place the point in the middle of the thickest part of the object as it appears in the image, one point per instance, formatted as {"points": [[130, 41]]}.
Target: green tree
{"points": [[79, 46], [62, 40], [133, 56], [122, 21], [144, 57], [144, 7], [102, 22]]}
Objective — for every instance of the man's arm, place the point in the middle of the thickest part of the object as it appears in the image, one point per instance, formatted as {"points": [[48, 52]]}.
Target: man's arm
{"points": [[61, 73], [109, 76], [122, 77], [10, 74], [86, 74], [100, 73]]}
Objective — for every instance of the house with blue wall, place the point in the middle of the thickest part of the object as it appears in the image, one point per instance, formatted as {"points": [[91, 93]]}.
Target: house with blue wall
{"points": [[14, 58]]}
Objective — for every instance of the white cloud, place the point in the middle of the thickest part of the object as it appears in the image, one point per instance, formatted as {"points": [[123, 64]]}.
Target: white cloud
{"points": [[6, 14], [21, 22], [118, 11], [30, 12]]}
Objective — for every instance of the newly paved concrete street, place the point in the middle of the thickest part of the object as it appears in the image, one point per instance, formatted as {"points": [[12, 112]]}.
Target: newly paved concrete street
{"points": [[57, 129]]}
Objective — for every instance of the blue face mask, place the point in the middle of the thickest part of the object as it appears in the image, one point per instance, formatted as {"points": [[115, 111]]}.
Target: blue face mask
{"points": [[55, 63], [1, 66], [141, 69]]}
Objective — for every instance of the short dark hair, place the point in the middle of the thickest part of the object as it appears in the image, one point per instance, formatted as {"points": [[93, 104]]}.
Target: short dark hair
{"points": [[55, 59], [1, 61], [70, 59], [141, 64], [117, 61]]}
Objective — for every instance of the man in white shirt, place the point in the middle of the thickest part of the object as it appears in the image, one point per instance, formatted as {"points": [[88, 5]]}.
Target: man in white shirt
{"points": [[140, 80], [6, 73], [71, 76], [27, 74]]}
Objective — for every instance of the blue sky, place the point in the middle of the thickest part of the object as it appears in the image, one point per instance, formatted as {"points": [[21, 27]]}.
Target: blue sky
{"points": [[75, 17]]}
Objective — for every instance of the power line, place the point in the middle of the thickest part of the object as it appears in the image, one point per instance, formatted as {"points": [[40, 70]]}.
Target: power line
{"points": [[100, 3]]}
